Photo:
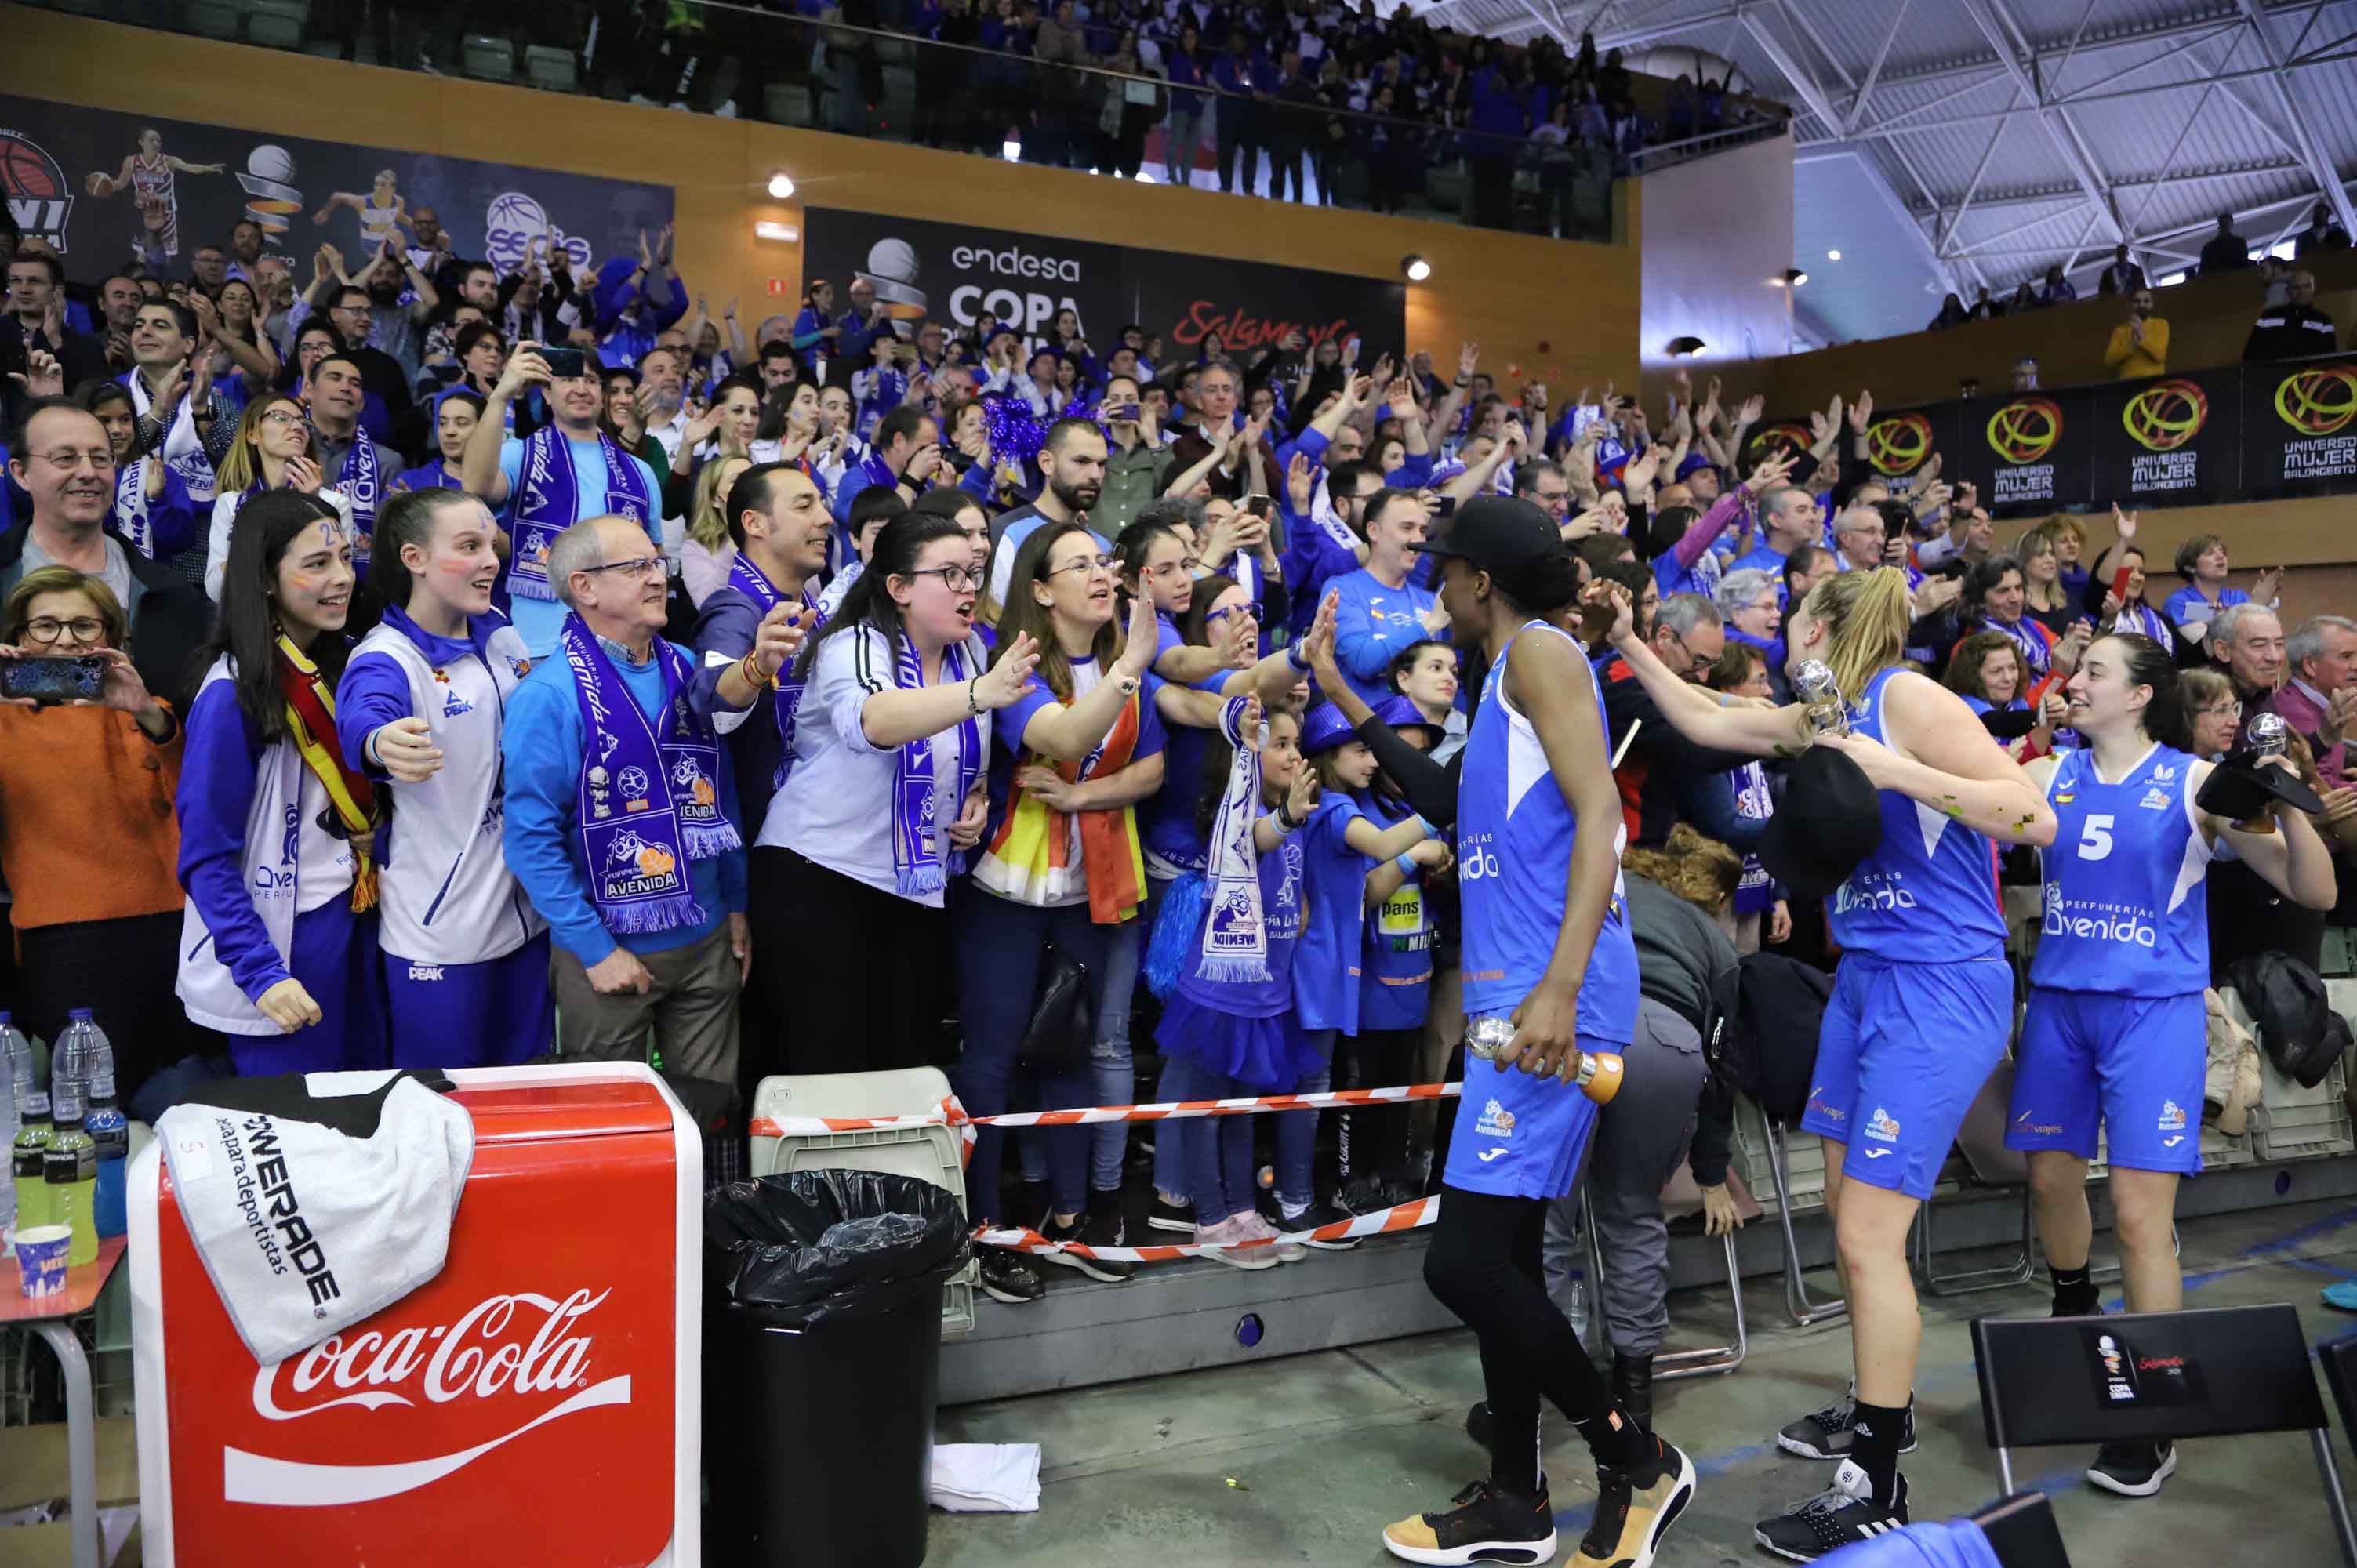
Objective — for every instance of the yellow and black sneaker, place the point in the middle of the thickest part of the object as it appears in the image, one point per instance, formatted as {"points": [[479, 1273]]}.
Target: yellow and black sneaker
{"points": [[1486, 1526], [1635, 1507]]}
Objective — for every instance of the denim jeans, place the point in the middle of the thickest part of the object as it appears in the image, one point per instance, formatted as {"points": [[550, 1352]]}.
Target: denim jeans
{"points": [[1296, 1131], [1214, 1151], [1169, 1176], [1109, 1062], [998, 945], [1179, 151]]}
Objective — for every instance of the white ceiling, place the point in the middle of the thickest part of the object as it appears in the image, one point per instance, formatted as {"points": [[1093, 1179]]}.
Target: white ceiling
{"points": [[1967, 143]]}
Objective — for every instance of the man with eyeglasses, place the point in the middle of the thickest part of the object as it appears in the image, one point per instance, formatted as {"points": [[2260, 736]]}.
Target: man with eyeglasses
{"points": [[63, 460], [570, 471], [622, 820], [1665, 778]]}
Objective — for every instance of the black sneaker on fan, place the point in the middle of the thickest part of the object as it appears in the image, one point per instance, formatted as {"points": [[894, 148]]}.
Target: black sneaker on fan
{"points": [[1101, 1228], [1826, 1433], [1320, 1214], [1008, 1276], [1362, 1196], [1843, 1513], [2133, 1469], [1486, 1526], [1166, 1215]]}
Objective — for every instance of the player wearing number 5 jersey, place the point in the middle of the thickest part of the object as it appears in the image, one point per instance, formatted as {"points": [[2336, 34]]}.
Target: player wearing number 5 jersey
{"points": [[2116, 1033], [1546, 944], [1921, 1009]]}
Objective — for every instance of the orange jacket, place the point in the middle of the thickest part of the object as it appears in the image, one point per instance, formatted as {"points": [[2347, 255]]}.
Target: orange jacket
{"points": [[86, 825]]}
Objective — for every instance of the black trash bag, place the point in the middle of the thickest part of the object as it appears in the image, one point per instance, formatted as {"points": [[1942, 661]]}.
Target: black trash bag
{"points": [[2285, 999], [807, 1247]]}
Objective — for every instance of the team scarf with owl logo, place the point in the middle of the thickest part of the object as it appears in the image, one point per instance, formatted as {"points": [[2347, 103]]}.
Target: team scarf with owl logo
{"points": [[786, 685], [361, 478], [650, 793], [546, 504], [1235, 940], [919, 864]]}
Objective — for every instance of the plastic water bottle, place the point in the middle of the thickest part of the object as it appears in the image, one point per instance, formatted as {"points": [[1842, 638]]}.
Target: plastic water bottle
{"points": [[93, 1056], [69, 1172]]}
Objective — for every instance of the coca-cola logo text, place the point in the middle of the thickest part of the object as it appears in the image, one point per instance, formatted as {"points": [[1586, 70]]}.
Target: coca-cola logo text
{"points": [[473, 1356]]}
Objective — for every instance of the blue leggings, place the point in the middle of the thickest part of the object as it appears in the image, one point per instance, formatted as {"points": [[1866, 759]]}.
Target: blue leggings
{"points": [[1214, 1152], [1296, 1131], [333, 953]]}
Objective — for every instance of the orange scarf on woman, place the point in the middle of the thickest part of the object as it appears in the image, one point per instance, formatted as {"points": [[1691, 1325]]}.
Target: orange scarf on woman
{"points": [[1030, 859]]}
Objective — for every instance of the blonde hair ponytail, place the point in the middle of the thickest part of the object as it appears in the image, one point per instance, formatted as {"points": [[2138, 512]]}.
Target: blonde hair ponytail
{"points": [[1865, 615]]}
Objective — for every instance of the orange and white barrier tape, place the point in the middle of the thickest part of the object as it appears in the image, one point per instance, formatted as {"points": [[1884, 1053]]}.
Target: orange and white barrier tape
{"points": [[951, 1114], [1406, 1216]]}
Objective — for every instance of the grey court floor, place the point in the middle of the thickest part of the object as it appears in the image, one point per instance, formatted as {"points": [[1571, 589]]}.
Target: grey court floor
{"points": [[1304, 1459]]}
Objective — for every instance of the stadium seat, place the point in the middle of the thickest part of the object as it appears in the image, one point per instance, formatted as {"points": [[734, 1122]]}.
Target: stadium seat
{"points": [[214, 19], [488, 59], [1991, 1165], [550, 69], [277, 24]]}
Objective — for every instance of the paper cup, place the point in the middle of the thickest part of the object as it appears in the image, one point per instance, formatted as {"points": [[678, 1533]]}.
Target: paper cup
{"points": [[42, 1259]]}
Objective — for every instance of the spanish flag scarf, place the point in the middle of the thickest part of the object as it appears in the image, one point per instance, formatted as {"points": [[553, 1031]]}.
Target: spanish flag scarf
{"points": [[1029, 860], [311, 723]]}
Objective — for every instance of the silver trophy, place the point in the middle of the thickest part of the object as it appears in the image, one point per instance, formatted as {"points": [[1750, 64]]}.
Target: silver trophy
{"points": [[1816, 689]]}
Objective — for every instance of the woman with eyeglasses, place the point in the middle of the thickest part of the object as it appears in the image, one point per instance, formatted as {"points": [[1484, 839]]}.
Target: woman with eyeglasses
{"points": [[1062, 868], [856, 855], [272, 452], [278, 943], [86, 840]]}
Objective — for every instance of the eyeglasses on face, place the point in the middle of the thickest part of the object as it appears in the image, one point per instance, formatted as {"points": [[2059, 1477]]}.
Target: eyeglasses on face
{"points": [[956, 579], [47, 629], [636, 566], [282, 417], [1085, 564]]}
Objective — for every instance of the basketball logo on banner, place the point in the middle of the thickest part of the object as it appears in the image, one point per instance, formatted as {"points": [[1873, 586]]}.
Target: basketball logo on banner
{"points": [[38, 196], [2025, 430], [1899, 445], [1784, 440], [2166, 415], [2317, 400]]}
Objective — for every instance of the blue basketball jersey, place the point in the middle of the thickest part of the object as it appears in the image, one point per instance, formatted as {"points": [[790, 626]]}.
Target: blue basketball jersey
{"points": [[1513, 856], [2127, 903], [1928, 892]]}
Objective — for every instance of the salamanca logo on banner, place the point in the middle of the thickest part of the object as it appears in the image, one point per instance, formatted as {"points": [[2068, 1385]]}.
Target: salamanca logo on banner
{"points": [[483, 1356]]}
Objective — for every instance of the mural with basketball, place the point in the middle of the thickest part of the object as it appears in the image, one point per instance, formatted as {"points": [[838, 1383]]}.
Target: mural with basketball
{"points": [[103, 187]]}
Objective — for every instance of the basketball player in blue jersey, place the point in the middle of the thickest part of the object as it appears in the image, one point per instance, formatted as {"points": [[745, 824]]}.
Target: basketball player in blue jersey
{"points": [[1921, 1007], [2117, 1033], [1546, 944]]}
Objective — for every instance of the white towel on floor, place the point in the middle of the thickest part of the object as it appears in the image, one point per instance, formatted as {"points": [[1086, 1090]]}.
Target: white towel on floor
{"points": [[986, 1477]]}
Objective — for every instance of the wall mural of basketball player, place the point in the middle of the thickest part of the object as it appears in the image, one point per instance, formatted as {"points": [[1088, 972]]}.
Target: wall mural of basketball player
{"points": [[382, 213], [150, 173]]}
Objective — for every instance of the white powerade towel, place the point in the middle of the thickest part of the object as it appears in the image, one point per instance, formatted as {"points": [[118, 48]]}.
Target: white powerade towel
{"points": [[307, 1229]]}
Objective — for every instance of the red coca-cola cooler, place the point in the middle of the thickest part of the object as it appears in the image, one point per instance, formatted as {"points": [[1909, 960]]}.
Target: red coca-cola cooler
{"points": [[538, 1402]]}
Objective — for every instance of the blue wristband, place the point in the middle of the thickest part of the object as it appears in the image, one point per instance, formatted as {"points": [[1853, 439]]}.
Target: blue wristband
{"points": [[1292, 656], [1408, 867]]}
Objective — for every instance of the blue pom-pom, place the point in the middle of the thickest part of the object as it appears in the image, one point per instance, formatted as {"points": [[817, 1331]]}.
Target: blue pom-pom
{"points": [[1171, 946], [1014, 432]]}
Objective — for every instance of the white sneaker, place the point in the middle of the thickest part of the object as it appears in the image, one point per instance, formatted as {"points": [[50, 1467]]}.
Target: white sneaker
{"points": [[1226, 1235], [1261, 1229]]}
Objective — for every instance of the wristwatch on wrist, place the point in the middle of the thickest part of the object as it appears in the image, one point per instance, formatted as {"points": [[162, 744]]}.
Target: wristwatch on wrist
{"points": [[1128, 684]]}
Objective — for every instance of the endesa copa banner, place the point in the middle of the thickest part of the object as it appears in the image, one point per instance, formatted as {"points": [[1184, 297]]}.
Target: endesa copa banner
{"points": [[958, 274]]}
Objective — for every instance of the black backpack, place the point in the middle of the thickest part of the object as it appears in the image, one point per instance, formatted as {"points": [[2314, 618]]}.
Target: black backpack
{"points": [[2298, 1028], [1773, 1046]]}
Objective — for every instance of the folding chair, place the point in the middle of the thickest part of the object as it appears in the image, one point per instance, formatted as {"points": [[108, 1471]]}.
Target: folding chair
{"points": [[2147, 1376], [1797, 1304], [1982, 1140], [1680, 1199]]}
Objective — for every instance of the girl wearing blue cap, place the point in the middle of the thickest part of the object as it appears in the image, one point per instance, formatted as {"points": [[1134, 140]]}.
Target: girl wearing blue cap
{"points": [[1340, 846]]}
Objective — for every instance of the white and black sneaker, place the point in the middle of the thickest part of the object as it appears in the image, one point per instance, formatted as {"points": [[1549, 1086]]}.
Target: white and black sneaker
{"points": [[1321, 1213], [1843, 1513], [1101, 1228], [1009, 1276], [1828, 1434], [2133, 1469], [1166, 1215]]}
